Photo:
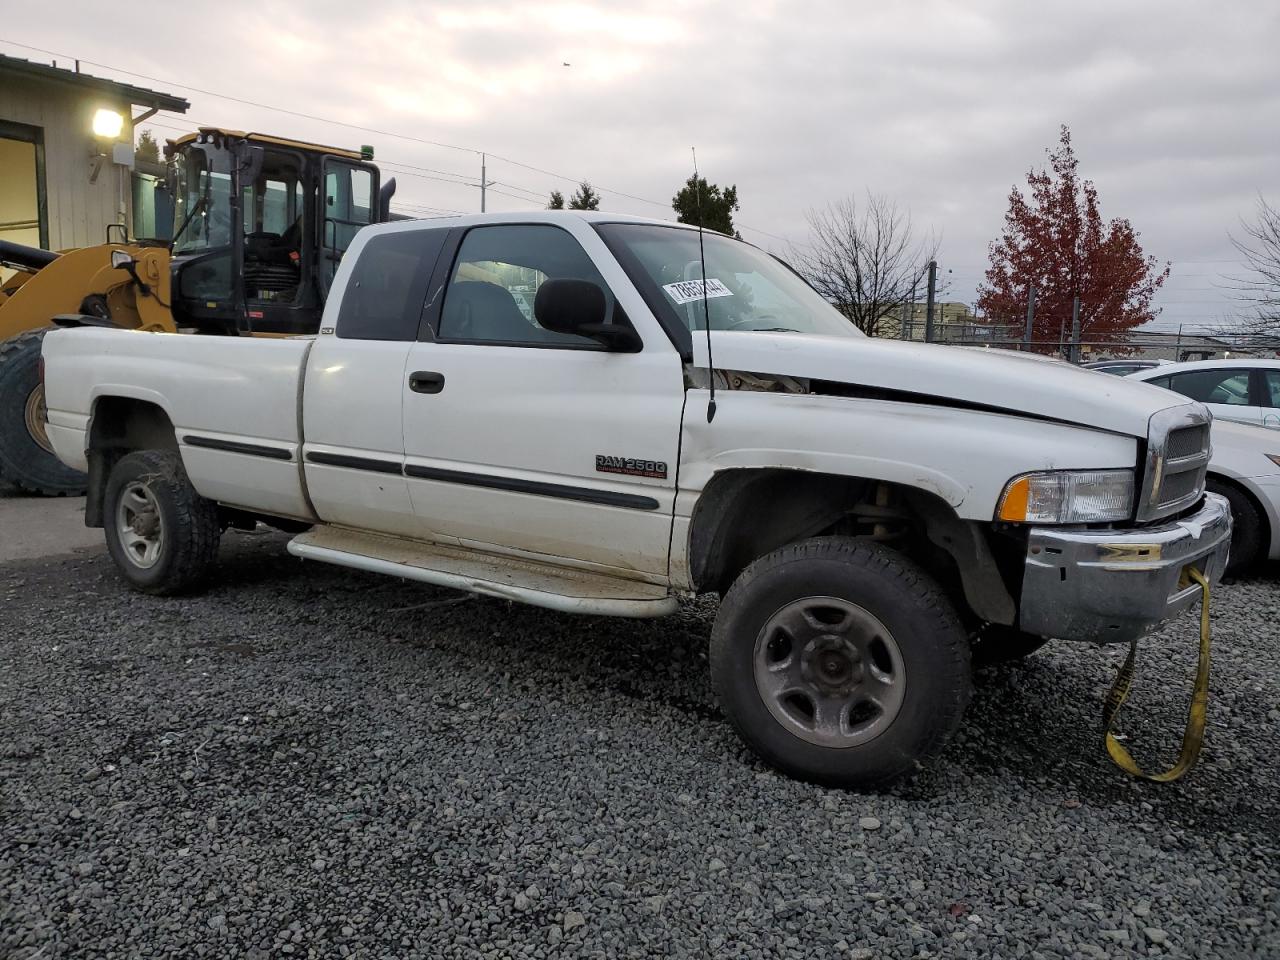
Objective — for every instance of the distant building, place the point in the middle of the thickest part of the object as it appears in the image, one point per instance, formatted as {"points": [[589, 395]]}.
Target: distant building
{"points": [[1163, 345], [66, 152], [952, 321]]}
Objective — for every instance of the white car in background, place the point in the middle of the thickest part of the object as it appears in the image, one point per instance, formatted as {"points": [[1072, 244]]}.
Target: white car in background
{"points": [[1245, 468], [1246, 390]]}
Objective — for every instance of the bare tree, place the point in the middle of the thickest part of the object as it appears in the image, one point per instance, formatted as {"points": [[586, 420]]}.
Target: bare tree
{"points": [[864, 258], [1259, 292]]}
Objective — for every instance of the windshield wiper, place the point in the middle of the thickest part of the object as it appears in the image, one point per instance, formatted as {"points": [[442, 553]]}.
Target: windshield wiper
{"points": [[195, 208], [774, 330]]}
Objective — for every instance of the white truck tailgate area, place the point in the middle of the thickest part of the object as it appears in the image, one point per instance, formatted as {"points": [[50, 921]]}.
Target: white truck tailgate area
{"points": [[233, 403]]}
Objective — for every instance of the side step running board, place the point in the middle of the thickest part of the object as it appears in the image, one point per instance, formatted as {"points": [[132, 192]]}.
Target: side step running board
{"points": [[509, 578]]}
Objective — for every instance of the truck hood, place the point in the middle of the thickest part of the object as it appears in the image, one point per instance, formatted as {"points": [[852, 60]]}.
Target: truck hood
{"points": [[1020, 384]]}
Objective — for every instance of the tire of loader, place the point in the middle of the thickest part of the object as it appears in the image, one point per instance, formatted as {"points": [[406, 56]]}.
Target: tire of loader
{"points": [[27, 461]]}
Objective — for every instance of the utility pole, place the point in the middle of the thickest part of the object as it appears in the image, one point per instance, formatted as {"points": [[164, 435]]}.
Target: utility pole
{"points": [[928, 309], [485, 182], [1031, 315], [1177, 350], [1074, 355]]}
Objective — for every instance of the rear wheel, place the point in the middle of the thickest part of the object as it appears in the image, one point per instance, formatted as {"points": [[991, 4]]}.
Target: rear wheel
{"points": [[1246, 526], [162, 535], [841, 662], [27, 459]]}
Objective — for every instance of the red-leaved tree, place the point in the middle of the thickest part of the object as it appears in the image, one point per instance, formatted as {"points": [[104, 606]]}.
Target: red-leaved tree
{"points": [[1054, 238]]}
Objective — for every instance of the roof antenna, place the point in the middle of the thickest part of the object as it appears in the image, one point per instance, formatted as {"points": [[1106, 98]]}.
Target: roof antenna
{"points": [[706, 310]]}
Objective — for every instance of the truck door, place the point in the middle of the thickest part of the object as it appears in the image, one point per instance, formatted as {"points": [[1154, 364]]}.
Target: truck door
{"points": [[519, 439], [353, 426]]}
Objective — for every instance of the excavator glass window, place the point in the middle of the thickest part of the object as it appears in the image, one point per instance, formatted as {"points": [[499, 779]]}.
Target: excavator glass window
{"points": [[202, 199], [348, 205], [276, 222]]}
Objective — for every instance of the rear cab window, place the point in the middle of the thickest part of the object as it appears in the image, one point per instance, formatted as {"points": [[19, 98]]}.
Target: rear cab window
{"points": [[385, 293]]}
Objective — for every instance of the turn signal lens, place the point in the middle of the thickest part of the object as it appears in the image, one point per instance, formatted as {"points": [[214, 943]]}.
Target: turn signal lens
{"points": [[1013, 505], [1068, 496]]}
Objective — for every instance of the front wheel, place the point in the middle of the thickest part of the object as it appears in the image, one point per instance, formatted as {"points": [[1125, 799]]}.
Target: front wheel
{"points": [[841, 662], [162, 535]]}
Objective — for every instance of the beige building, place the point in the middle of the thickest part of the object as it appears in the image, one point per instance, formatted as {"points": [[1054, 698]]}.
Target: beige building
{"points": [[952, 320], [66, 152]]}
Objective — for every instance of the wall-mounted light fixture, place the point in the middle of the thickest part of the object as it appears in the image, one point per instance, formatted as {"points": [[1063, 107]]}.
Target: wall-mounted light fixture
{"points": [[107, 124]]}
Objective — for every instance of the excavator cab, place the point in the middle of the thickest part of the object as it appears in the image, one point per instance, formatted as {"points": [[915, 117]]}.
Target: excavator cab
{"points": [[260, 225]]}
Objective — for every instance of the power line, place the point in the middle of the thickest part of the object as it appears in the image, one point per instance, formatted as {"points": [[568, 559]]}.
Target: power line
{"points": [[374, 130], [249, 103], [319, 119], [532, 193]]}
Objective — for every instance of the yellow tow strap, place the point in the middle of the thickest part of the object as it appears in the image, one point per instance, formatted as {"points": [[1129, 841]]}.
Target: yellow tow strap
{"points": [[1193, 736]]}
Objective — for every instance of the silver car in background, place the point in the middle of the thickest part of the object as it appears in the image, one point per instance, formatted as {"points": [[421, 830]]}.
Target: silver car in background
{"points": [[1246, 390]]}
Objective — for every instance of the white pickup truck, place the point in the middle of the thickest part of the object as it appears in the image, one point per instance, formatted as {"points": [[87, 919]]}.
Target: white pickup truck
{"points": [[521, 406]]}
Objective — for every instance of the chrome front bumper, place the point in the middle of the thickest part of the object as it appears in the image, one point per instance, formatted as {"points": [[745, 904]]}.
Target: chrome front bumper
{"points": [[1114, 585]]}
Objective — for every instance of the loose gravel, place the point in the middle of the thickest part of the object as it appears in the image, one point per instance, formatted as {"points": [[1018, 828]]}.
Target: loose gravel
{"points": [[311, 762]]}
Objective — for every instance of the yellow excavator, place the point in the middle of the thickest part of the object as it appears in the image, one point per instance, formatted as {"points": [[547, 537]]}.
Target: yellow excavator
{"points": [[260, 224]]}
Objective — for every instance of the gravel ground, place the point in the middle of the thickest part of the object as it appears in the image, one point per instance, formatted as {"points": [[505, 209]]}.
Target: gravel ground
{"points": [[306, 762]]}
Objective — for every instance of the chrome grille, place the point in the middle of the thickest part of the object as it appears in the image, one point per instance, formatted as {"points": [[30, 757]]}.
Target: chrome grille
{"points": [[1188, 442], [1177, 460], [1179, 486]]}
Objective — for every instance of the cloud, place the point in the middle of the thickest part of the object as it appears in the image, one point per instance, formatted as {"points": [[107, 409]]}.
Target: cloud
{"points": [[1174, 107]]}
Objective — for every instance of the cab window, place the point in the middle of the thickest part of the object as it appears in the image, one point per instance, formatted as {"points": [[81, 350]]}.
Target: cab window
{"points": [[388, 285], [495, 280]]}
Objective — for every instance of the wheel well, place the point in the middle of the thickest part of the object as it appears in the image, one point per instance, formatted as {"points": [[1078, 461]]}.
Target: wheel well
{"points": [[744, 514], [782, 506], [120, 425], [1264, 543]]}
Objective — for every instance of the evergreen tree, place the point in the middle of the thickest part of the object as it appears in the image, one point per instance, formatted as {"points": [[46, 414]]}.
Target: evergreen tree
{"points": [[717, 205], [147, 148], [585, 198]]}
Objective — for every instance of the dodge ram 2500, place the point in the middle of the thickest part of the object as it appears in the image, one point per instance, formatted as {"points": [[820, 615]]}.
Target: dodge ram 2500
{"points": [[519, 406]]}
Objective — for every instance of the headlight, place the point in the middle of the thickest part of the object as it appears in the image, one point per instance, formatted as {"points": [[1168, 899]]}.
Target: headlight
{"points": [[1068, 496]]}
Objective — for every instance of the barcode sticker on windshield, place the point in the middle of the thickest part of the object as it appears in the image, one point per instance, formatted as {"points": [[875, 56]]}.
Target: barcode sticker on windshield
{"points": [[686, 291]]}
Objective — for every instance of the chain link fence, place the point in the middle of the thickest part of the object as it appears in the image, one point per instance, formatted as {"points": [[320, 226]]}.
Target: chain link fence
{"points": [[1137, 345]]}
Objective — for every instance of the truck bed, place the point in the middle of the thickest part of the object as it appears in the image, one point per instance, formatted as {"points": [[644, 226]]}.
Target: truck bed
{"points": [[233, 403]]}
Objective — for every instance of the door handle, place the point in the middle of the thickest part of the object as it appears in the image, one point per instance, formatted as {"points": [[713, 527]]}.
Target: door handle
{"points": [[426, 381]]}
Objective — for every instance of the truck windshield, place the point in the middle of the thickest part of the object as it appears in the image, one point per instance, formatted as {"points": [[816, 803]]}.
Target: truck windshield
{"points": [[747, 289], [202, 199]]}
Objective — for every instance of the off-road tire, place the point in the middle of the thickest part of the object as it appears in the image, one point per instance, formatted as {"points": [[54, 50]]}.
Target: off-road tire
{"points": [[24, 463], [189, 523], [997, 643], [1246, 527], [911, 607]]}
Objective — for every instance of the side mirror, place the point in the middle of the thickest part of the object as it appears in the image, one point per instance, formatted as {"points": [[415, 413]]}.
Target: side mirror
{"points": [[578, 307], [123, 260]]}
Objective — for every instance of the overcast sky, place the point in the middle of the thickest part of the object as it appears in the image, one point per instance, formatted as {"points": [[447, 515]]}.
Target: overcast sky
{"points": [[1174, 107]]}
